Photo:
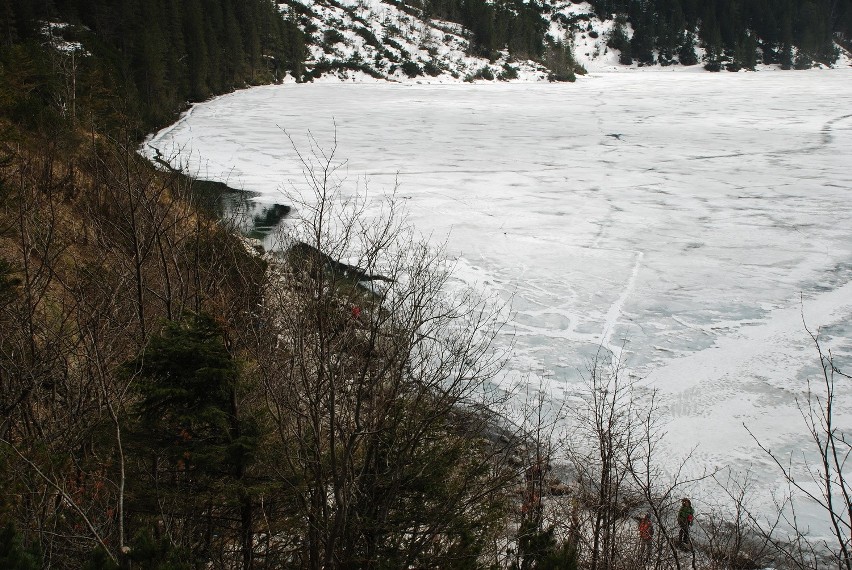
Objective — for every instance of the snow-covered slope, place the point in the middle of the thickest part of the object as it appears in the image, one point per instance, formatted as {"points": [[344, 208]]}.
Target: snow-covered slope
{"points": [[368, 40], [376, 40]]}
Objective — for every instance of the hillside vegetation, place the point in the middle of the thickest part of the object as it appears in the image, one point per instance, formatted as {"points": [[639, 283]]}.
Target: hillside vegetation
{"points": [[475, 40], [169, 398], [739, 33]]}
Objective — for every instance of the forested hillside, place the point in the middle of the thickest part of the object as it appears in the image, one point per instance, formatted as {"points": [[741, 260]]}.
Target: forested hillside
{"points": [[740, 32], [164, 54], [144, 59], [444, 40]]}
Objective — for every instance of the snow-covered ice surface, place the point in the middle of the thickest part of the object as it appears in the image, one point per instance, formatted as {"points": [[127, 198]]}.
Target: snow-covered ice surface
{"points": [[693, 219]]}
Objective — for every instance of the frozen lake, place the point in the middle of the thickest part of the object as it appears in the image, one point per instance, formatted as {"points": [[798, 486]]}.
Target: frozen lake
{"points": [[691, 218]]}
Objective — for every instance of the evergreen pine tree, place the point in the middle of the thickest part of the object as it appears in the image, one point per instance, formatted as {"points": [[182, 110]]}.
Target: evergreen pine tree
{"points": [[803, 60], [294, 47], [196, 48], [845, 25], [767, 32], [234, 57], [786, 56], [729, 23], [149, 61], [690, 10], [187, 387], [748, 51], [618, 40], [13, 554], [786, 35], [686, 54], [670, 30], [560, 61], [176, 59], [190, 427], [538, 548], [8, 29], [713, 50], [644, 37], [214, 38]]}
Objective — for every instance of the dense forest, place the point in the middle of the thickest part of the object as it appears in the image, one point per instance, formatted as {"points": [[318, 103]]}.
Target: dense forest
{"points": [[170, 398], [517, 26], [740, 32], [154, 55], [735, 34]]}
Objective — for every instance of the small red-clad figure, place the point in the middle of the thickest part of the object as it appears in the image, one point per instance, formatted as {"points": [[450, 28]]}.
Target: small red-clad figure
{"points": [[356, 311], [646, 536]]}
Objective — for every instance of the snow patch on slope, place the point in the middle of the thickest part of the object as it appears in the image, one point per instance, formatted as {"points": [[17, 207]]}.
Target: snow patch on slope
{"points": [[370, 40]]}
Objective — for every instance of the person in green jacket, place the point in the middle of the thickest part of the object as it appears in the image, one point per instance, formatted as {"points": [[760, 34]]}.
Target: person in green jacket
{"points": [[684, 520]]}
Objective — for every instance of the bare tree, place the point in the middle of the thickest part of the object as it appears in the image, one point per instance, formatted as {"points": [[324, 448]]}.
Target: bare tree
{"points": [[51, 400], [661, 488], [614, 449], [820, 477], [378, 375], [600, 449], [732, 538], [545, 533]]}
